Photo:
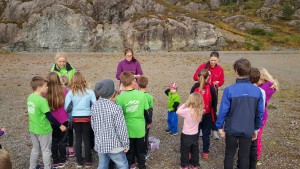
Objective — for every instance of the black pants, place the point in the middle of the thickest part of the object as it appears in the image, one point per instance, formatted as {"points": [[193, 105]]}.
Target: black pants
{"points": [[137, 149], [205, 125], [189, 144], [232, 143], [253, 155], [146, 139], [82, 132], [70, 134], [59, 144]]}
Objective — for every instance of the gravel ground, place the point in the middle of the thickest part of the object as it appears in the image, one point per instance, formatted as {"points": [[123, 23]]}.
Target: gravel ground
{"points": [[281, 135]]}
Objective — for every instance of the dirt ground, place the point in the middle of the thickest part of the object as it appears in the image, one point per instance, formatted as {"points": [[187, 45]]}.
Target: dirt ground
{"points": [[281, 135]]}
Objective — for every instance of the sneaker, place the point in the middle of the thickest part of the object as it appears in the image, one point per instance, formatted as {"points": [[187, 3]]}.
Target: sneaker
{"points": [[147, 155], [55, 166], [200, 134], [61, 165], [71, 152], [79, 165], [184, 167], [38, 166], [87, 164], [173, 134], [205, 155], [258, 163], [215, 135], [168, 131], [132, 166], [192, 167]]}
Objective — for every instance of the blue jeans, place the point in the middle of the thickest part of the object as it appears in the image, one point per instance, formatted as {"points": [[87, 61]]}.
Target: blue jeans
{"points": [[118, 158], [173, 122]]}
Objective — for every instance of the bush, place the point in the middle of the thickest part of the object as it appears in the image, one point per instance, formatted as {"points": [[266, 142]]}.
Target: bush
{"points": [[287, 12], [258, 31]]}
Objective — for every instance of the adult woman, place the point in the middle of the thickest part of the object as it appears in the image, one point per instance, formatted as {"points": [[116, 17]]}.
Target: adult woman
{"points": [[129, 64], [62, 67], [215, 79]]}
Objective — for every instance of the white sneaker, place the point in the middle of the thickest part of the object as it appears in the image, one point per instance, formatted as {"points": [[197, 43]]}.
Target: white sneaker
{"points": [[215, 135], [200, 134]]}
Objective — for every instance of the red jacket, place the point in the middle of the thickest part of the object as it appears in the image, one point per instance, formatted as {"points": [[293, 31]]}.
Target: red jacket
{"points": [[217, 74]]}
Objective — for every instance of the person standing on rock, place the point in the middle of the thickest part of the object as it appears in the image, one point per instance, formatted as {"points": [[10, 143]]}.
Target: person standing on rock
{"points": [[215, 79], [131, 64], [62, 66]]}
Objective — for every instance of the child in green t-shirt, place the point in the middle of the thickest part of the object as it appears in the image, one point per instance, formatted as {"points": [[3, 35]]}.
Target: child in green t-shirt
{"points": [[39, 123], [135, 108], [142, 83], [172, 105]]}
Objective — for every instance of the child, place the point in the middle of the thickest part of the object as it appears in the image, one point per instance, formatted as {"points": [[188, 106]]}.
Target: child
{"points": [[191, 111], [70, 151], [142, 83], [135, 108], [82, 99], [56, 99], [270, 86], [172, 105], [209, 107], [39, 125], [2, 132], [108, 123], [5, 162], [241, 106], [254, 78]]}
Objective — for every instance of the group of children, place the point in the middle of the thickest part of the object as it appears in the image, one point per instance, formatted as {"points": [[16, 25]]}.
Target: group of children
{"points": [[120, 123], [242, 116], [116, 123]]}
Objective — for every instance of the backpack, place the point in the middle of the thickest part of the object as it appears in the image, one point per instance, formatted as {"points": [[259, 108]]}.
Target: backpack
{"points": [[207, 100]]}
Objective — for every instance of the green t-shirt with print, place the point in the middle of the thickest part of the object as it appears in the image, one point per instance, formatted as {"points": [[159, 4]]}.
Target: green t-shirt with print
{"points": [[133, 103], [172, 98], [37, 107]]}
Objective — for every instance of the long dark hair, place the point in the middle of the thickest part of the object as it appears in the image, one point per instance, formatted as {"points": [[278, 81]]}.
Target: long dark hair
{"points": [[212, 54], [55, 95], [130, 50]]}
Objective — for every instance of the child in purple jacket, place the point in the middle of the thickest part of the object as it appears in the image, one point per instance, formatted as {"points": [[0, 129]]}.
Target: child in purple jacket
{"points": [[270, 86]]}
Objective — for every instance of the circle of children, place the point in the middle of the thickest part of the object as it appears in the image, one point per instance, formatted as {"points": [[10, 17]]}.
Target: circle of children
{"points": [[116, 124]]}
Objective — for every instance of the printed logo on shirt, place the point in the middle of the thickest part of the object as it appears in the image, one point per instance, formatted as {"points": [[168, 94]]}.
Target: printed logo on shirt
{"points": [[132, 106], [31, 107]]}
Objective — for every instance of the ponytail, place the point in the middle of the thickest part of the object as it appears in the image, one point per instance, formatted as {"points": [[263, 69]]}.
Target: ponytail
{"points": [[202, 76]]}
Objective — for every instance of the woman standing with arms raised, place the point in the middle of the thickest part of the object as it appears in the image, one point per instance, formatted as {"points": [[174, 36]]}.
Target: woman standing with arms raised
{"points": [[215, 79]]}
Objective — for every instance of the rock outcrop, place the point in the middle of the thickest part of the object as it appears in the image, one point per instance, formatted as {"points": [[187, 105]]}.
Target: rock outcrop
{"points": [[100, 25]]}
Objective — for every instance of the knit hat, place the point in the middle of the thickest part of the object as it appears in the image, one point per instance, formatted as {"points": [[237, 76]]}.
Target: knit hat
{"points": [[105, 88], [173, 85]]}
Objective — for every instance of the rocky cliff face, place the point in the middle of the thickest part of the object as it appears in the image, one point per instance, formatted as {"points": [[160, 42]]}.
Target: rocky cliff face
{"points": [[99, 25]]}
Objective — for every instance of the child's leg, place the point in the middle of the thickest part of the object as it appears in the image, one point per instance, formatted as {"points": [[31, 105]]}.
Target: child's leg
{"points": [[70, 134], [195, 151], [230, 149], [253, 155], [259, 140], [130, 154], [62, 144], [78, 136], [244, 152], [45, 143], [139, 150], [55, 140], [185, 145], [206, 130], [174, 122], [34, 151], [120, 160], [146, 139], [169, 120], [87, 140]]}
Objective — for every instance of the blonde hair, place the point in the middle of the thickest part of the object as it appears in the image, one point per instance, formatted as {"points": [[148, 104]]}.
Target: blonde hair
{"points": [[78, 83], [195, 103], [60, 55], [202, 76], [5, 162], [265, 75], [65, 80]]}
